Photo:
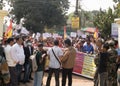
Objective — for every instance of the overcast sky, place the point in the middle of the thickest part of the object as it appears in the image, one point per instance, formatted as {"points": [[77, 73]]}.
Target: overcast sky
{"points": [[90, 5]]}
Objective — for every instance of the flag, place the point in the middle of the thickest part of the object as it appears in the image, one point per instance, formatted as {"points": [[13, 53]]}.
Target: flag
{"points": [[9, 31], [65, 34], [96, 33]]}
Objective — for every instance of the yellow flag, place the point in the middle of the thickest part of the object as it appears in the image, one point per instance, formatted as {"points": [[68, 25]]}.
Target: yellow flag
{"points": [[9, 31]]}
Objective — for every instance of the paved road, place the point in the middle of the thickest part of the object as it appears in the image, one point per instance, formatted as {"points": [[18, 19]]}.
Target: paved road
{"points": [[77, 81]]}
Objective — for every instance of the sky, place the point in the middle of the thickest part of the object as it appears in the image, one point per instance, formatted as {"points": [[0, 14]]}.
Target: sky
{"points": [[87, 5], [90, 5]]}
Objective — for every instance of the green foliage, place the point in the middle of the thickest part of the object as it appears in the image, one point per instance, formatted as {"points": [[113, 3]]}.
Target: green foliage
{"points": [[40, 13], [1, 4], [103, 21], [117, 11], [87, 18], [116, 1]]}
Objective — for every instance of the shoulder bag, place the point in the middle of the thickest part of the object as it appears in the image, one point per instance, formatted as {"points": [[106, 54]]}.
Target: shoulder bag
{"points": [[56, 57]]}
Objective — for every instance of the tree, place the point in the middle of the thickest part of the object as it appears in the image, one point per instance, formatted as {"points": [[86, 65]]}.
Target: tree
{"points": [[103, 21], [1, 4], [117, 8], [40, 13], [87, 19], [116, 1], [117, 11]]}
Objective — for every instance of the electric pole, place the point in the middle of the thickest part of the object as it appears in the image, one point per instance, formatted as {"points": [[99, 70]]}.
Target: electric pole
{"points": [[76, 9]]}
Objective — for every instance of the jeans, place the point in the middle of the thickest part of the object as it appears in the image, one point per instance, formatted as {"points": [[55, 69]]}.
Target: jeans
{"points": [[67, 73], [56, 72], [19, 71], [13, 79], [38, 78], [27, 72]]}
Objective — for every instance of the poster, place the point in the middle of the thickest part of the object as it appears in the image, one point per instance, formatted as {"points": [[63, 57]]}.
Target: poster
{"points": [[79, 63], [84, 65], [114, 30], [73, 34], [75, 22]]}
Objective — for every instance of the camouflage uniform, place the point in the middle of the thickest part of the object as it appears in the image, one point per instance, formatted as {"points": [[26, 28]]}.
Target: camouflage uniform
{"points": [[96, 61], [112, 73]]}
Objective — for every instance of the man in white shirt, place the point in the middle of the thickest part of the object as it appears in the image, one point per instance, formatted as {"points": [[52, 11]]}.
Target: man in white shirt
{"points": [[54, 65], [17, 53], [11, 62]]}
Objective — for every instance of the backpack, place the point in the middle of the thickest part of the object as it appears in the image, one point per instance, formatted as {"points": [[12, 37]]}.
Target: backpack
{"points": [[34, 63], [4, 71]]}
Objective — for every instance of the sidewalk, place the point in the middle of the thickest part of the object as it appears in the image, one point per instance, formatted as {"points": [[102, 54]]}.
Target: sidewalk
{"points": [[77, 81]]}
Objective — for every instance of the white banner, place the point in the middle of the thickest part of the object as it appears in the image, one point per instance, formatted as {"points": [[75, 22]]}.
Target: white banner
{"points": [[73, 34], [55, 35], [24, 31], [114, 30], [46, 35]]}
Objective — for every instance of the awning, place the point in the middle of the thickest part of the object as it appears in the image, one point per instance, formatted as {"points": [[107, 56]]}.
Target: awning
{"points": [[89, 29]]}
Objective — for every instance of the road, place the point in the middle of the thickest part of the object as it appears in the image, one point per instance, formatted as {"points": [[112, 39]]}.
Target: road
{"points": [[77, 81]]}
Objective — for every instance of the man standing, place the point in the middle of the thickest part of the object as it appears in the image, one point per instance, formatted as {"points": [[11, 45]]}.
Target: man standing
{"points": [[54, 55], [17, 53], [103, 66], [99, 44], [68, 61], [112, 68], [28, 50], [11, 63], [40, 63]]}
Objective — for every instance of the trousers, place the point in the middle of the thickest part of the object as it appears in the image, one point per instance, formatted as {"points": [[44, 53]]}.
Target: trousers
{"points": [[67, 73], [56, 72]]}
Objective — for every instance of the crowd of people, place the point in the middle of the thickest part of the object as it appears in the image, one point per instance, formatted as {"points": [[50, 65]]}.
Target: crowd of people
{"points": [[61, 54], [17, 52]]}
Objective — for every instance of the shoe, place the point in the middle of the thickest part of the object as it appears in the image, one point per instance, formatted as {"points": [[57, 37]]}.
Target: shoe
{"points": [[28, 81], [21, 81], [31, 78], [24, 82]]}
